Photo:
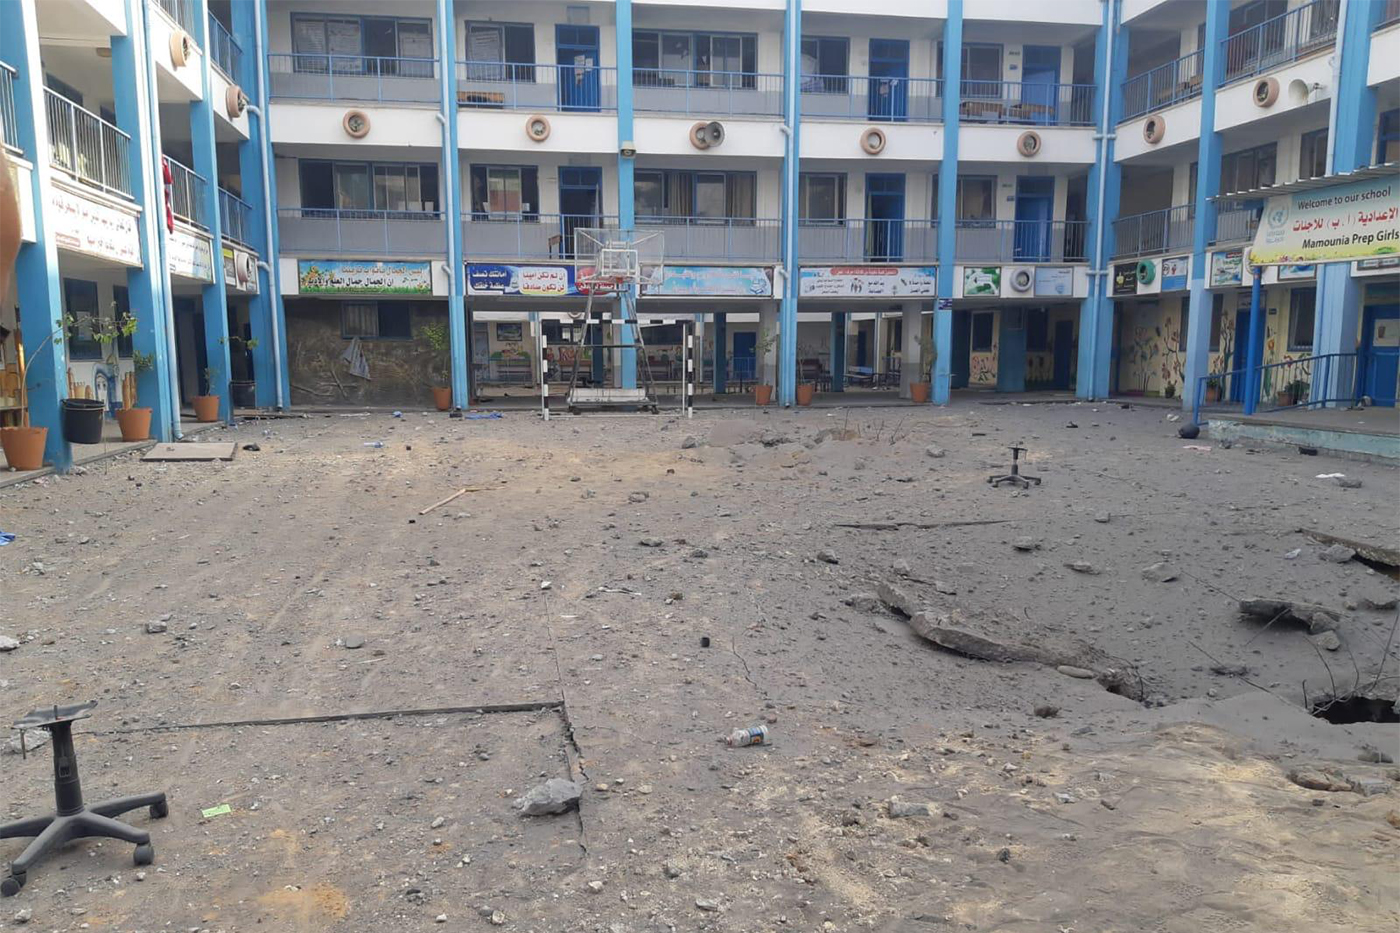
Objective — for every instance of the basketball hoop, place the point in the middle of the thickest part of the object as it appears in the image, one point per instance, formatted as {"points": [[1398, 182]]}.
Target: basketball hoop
{"points": [[609, 259]]}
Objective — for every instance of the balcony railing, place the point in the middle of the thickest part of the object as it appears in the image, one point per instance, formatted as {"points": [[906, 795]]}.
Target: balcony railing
{"points": [[857, 97], [1021, 240], [1154, 231], [187, 192], [868, 240], [1390, 15], [87, 146], [743, 239], [1163, 86], [9, 129], [526, 236], [707, 93], [1027, 102], [317, 231], [354, 77], [509, 86], [1236, 220], [225, 53], [235, 217], [181, 11], [1278, 41]]}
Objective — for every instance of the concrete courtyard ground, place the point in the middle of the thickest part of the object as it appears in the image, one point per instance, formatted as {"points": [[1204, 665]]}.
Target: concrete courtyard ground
{"points": [[702, 575]]}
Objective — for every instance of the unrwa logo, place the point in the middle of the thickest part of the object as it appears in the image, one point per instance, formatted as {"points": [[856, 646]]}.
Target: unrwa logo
{"points": [[1277, 217]]}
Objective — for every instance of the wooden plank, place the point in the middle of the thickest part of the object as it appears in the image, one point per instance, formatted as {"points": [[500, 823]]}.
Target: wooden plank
{"points": [[220, 450]]}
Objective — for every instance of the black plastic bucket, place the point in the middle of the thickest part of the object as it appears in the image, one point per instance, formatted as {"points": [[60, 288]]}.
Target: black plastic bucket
{"points": [[82, 420], [243, 394]]}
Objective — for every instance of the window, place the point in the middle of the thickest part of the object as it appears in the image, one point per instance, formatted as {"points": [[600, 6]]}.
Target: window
{"points": [[977, 197], [1312, 159], [700, 59], [501, 52], [1248, 169], [821, 197], [1217, 320], [1252, 14], [1185, 325], [376, 320], [981, 69], [405, 188], [505, 192], [825, 64], [63, 89], [122, 300], [1302, 305], [982, 333], [706, 195], [1037, 330], [362, 45], [80, 303], [1388, 137]]}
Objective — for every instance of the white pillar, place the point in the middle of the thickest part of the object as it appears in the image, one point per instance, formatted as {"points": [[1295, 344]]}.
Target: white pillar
{"points": [[909, 366], [768, 328], [878, 327]]}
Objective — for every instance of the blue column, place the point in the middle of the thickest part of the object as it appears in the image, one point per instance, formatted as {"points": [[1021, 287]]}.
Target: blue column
{"points": [[626, 176], [947, 206], [36, 270], [838, 351], [1105, 183], [1197, 364], [1338, 310], [452, 187], [276, 353], [149, 285], [251, 153], [721, 363], [206, 163], [1254, 353], [792, 112]]}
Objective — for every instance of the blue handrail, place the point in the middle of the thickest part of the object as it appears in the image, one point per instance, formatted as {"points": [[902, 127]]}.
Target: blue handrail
{"points": [[1153, 231], [680, 90], [353, 77], [235, 217], [1305, 382], [861, 97], [187, 188], [1284, 38], [1163, 86], [9, 128], [1027, 103], [224, 52]]}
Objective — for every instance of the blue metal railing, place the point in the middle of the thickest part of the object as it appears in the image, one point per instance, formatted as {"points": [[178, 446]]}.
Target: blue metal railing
{"points": [[367, 232], [1163, 86], [1236, 220], [181, 11], [87, 146], [224, 52], [353, 77], [868, 240], [1153, 231], [1027, 103], [526, 236], [859, 97], [235, 217], [1285, 38], [9, 129], [1307, 382], [187, 193], [1021, 240], [525, 86], [746, 239], [707, 93]]}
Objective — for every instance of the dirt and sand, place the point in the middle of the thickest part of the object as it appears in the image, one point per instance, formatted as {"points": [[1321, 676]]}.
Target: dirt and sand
{"points": [[1164, 806]]}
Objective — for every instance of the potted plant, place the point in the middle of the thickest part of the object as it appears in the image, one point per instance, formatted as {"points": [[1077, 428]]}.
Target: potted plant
{"points": [[24, 445], [763, 394], [921, 392], [1169, 391], [440, 343], [1292, 394], [135, 422], [81, 418], [1213, 389], [206, 407], [242, 392]]}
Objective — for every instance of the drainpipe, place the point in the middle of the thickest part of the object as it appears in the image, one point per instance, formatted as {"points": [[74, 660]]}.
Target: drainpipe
{"points": [[1102, 138], [273, 278]]}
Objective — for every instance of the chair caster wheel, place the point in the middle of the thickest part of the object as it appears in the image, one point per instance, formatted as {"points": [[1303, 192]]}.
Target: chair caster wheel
{"points": [[145, 854], [160, 810], [11, 885]]}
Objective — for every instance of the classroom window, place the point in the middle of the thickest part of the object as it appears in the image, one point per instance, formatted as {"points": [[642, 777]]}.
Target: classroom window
{"points": [[1185, 325], [821, 197], [505, 192], [1217, 320], [80, 303], [381, 45], [982, 333], [1249, 168], [1302, 305], [409, 188], [977, 197], [1388, 137], [825, 64], [707, 195], [981, 69], [1312, 156], [376, 320], [501, 52], [121, 299], [694, 59]]}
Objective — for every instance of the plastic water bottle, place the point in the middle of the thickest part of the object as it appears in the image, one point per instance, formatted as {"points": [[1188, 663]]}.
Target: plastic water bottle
{"points": [[374, 444], [753, 735]]}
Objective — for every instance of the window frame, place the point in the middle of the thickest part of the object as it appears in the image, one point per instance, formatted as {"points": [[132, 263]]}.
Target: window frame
{"points": [[516, 72], [1229, 166], [1309, 292], [303, 62], [121, 305], [80, 348], [1037, 325], [1184, 329], [532, 215], [977, 319], [822, 81], [1311, 145], [371, 172], [961, 201], [1217, 320], [662, 75], [383, 310], [1387, 131], [691, 176], [838, 180]]}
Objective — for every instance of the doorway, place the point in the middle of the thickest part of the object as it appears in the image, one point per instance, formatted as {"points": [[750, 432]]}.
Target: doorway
{"points": [[1380, 353], [580, 196], [1239, 354], [884, 213], [889, 80], [745, 357], [1035, 209], [1064, 354], [1040, 79], [577, 56]]}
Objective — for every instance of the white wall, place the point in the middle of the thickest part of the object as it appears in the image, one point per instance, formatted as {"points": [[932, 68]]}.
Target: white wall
{"points": [[1300, 84], [317, 124]]}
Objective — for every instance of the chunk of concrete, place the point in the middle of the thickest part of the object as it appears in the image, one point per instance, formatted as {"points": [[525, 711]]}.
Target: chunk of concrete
{"points": [[553, 796]]}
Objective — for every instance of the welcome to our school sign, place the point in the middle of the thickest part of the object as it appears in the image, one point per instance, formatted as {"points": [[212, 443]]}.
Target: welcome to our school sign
{"points": [[1360, 220]]}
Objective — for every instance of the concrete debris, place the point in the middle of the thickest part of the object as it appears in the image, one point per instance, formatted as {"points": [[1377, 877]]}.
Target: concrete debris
{"points": [[651, 542], [1079, 673], [1025, 543], [827, 557], [33, 738], [1101, 517], [1332, 780], [900, 809], [553, 796], [1316, 618], [1380, 604], [690, 443], [1160, 572], [936, 453], [24, 915], [1082, 566], [864, 602], [1337, 554], [7, 643], [156, 626], [709, 903], [1326, 640], [1046, 711], [638, 496]]}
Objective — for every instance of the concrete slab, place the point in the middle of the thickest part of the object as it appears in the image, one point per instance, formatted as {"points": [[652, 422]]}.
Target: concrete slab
{"points": [[220, 450]]}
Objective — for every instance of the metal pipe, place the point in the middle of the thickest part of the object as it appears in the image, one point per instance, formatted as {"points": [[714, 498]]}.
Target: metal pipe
{"points": [[1103, 137], [274, 284]]}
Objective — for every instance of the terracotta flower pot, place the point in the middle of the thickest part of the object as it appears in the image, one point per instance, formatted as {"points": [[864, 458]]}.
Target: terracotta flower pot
{"points": [[206, 408], [806, 391], [135, 423], [442, 397], [1212, 393], [24, 447], [762, 395], [919, 391]]}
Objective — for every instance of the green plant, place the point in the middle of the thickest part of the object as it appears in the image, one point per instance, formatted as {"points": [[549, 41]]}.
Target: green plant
{"points": [[211, 380], [1169, 390], [440, 342], [764, 344], [928, 353], [142, 362], [1297, 390]]}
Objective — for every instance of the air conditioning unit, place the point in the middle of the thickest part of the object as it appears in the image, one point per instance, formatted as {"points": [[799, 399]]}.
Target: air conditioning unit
{"points": [[1020, 280]]}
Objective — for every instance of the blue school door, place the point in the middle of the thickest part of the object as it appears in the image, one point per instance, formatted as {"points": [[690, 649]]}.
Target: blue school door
{"points": [[889, 79], [1064, 354], [577, 54], [1035, 208], [884, 217], [1040, 78], [745, 356], [580, 196], [1239, 356], [1380, 353]]}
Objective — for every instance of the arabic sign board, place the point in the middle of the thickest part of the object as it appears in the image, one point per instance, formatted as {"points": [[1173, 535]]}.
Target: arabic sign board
{"points": [[189, 255], [86, 226], [1226, 268], [1174, 273], [981, 280], [240, 270], [1289, 272], [1125, 278], [1359, 220], [1054, 280], [363, 277], [867, 281], [490, 278], [712, 282]]}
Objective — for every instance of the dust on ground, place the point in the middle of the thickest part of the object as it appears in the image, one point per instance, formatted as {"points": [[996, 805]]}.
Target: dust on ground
{"points": [[906, 788]]}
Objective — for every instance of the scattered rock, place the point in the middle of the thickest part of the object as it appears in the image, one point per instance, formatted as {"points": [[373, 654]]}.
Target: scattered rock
{"points": [[1079, 673], [33, 738], [24, 915], [1025, 543], [638, 496], [651, 542], [596, 887], [899, 809], [827, 557], [155, 627], [865, 602], [1370, 787], [690, 443], [1381, 604], [1102, 517], [1046, 711], [353, 642], [1347, 482], [1327, 640], [1337, 554], [553, 796], [708, 903], [936, 453], [1004, 856], [10, 644], [1082, 566], [1316, 618], [671, 869], [1160, 572], [1328, 779]]}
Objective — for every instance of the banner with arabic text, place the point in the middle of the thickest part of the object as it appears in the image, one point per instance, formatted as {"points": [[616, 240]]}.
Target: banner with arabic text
{"points": [[1357, 220]]}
